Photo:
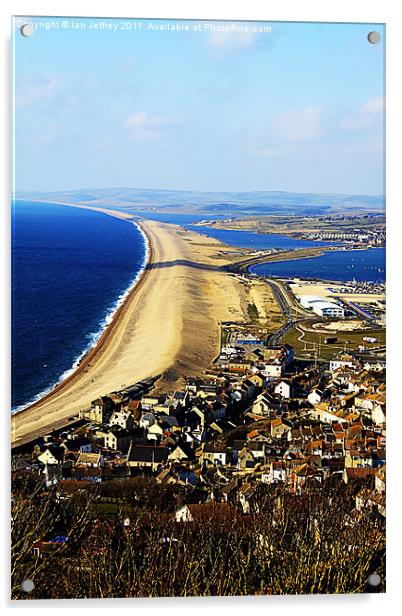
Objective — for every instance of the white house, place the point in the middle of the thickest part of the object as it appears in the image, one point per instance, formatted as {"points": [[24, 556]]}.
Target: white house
{"points": [[341, 361], [124, 419], [217, 454], [184, 514], [262, 405], [180, 452], [284, 389], [322, 412], [378, 415], [273, 370], [155, 432], [47, 457], [277, 473], [315, 396]]}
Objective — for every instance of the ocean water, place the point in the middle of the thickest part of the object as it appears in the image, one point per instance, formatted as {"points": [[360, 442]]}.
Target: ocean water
{"points": [[361, 265], [70, 270]]}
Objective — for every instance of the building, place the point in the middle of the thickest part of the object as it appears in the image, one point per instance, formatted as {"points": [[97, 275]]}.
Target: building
{"points": [[117, 438], [215, 454], [322, 307], [276, 360], [79, 444], [146, 456], [123, 419], [93, 460], [181, 452], [263, 405], [342, 360], [100, 411], [249, 339], [315, 396], [284, 389]]}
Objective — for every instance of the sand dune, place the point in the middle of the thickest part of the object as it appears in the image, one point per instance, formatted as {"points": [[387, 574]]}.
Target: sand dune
{"points": [[168, 325]]}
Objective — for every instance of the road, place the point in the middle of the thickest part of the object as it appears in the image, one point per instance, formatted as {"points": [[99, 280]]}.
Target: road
{"points": [[288, 305], [275, 338]]}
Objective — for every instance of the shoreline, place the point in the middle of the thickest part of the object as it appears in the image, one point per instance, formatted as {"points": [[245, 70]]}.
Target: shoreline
{"points": [[104, 335], [167, 327], [104, 324]]}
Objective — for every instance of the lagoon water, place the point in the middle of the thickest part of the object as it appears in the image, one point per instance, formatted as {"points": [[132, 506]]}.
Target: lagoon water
{"points": [[70, 268], [256, 241], [238, 239], [361, 265]]}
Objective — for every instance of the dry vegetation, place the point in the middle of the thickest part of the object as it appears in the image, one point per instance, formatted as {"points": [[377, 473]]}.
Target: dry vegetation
{"points": [[285, 545]]}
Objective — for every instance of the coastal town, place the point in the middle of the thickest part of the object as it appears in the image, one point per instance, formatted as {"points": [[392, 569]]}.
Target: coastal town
{"points": [[262, 422], [289, 416], [261, 418]]}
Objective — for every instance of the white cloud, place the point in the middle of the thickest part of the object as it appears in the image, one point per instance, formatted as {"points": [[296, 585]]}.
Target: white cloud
{"points": [[304, 124], [31, 90], [288, 131], [313, 129], [148, 126], [369, 115], [374, 105]]}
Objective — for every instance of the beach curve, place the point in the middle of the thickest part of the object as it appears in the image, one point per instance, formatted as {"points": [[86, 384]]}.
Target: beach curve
{"points": [[169, 323]]}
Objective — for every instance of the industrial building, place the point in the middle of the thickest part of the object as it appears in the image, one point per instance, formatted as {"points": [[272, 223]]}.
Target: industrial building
{"points": [[322, 307]]}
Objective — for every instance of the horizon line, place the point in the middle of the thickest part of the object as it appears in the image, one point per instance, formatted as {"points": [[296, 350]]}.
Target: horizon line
{"points": [[187, 190]]}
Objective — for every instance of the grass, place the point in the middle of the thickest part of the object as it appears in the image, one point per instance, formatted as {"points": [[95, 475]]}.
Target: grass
{"points": [[345, 340]]}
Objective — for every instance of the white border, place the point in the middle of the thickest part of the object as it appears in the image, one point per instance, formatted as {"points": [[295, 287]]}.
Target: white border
{"points": [[384, 11]]}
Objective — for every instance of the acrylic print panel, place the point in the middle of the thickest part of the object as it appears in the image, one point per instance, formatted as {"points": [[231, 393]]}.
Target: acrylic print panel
{"points": [[198, 319]]}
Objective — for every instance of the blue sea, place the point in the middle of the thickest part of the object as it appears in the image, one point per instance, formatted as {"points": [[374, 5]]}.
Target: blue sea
{"points": [[71, 269], [361, 265]]}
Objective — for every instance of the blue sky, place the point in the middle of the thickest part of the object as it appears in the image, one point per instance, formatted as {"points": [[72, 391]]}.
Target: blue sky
{"points": [[299, 108]]}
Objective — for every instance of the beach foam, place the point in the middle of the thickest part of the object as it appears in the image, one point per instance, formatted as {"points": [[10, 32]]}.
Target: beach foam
{"points": [[93, 337]]}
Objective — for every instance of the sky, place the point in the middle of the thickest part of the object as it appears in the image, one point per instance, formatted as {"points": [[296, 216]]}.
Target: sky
{"points": [[207, 106]]}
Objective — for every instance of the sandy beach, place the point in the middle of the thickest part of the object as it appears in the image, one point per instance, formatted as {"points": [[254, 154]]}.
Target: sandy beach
{"points": [[168, 325]]}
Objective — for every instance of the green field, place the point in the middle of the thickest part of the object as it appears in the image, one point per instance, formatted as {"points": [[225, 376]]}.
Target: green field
{"points": [[311, 342]]}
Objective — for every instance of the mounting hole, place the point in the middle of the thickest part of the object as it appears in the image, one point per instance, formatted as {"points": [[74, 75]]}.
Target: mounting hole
{"points": [[374, 38], [374, 579], [27, 586], [27, 30]]}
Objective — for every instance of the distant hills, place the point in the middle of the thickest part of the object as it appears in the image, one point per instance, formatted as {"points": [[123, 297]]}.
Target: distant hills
{"points": [[213, 203]]}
